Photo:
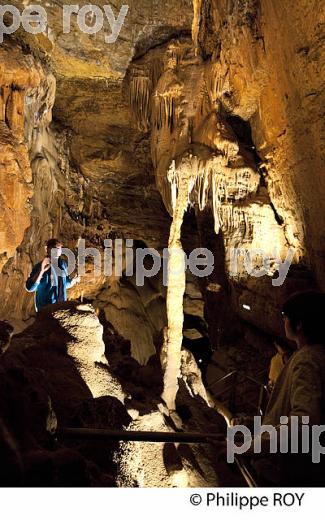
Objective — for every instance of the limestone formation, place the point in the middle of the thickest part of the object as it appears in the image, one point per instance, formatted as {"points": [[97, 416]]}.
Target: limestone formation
{"points": [[201, 126]]}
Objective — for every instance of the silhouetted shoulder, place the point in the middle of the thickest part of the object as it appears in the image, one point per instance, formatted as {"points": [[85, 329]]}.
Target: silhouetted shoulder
{"points": [[312, 354]]}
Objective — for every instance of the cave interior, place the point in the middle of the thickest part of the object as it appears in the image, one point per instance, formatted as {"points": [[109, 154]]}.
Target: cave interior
{"points": [[201, 127]]}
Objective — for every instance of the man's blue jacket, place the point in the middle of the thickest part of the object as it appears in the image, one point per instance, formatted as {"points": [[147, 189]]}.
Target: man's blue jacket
{"points": [[47, 289]]}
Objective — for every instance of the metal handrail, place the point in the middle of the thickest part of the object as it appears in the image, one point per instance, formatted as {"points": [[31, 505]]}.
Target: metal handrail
{"points": [[232, 387], [245, 471], [142, 436], [223, 378]]}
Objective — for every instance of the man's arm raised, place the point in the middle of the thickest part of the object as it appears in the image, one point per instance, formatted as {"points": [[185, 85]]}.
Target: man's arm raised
{"points": [[36, 274]]}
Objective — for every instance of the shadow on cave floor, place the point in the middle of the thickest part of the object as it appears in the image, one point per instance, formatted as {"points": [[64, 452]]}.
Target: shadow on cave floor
{"points": [[37, 367], [40, 389], [142, 384]]}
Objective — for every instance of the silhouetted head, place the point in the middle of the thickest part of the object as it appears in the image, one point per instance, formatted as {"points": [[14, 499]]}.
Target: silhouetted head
{"points": [[54, 247], [282, 346], [304, 315]]}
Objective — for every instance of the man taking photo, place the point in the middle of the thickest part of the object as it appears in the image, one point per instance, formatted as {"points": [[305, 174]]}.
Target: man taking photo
{"points": [[50, 282]]}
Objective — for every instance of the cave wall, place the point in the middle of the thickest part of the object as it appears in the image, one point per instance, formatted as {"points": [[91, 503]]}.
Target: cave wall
{"points": [[15, 168], [89, 135], [271, 58], [276, 84], [237, 112], [84, 172], [32, 163], [121, 142], [56, 182]]}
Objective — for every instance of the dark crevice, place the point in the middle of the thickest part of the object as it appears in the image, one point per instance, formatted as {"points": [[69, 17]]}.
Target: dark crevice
{"points": [[277, 217], [243, 132]]}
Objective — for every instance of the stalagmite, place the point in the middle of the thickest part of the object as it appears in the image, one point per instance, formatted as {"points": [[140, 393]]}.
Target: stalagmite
{"points": [[198, 159], [175, 291]]}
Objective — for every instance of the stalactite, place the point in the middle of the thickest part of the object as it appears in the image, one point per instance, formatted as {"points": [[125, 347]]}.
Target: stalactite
{"points": [[165, 115], [203, 181], [196, 22], [214, 78], [174, 55], [173, 180], [140, 89], [156, 70], [143, 78], [215, 205]]}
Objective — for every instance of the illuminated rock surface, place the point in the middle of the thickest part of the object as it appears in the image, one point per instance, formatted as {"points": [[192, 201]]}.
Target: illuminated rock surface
{"points": [[55, 374], [201, 126]]}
